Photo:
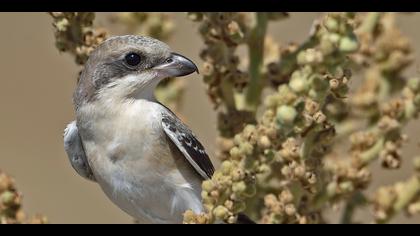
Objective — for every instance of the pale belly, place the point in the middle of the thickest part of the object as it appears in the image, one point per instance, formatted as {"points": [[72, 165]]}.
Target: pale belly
{"points": [[141, 174]]}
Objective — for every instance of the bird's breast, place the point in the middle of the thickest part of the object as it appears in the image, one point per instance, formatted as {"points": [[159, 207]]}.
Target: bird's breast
{"points": [[133, 162], [122, 134]]}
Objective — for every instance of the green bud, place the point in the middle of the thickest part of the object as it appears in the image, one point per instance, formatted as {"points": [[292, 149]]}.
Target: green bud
{"points": [[237, 174], [235, 32], [226, 167], [334, 37], [221, 212], [301, 58], [206, 198], [264, 168], [290, 209], [264, 142], [239, 187], [282, 89], [313, 94], [7, 198], [246, 148], [249, 129], [410, 109], [348, 44], [62, 24], [414, 84], [235, 153], [286, 115], [326, 46], [331, 24], [298, 83], [207, 185], [285, 95], [331, 189], [309, 57], [346, 186], [237, 139], [232, 219]]}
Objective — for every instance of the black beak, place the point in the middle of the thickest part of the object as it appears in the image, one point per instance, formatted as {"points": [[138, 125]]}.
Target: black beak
{"points": [[176, 65]]}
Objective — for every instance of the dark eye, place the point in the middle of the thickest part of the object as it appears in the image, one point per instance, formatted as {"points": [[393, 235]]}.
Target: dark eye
{"points": [[132, 59]]}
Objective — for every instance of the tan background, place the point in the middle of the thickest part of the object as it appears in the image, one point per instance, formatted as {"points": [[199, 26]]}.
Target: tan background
{"points": [[36, 85]]}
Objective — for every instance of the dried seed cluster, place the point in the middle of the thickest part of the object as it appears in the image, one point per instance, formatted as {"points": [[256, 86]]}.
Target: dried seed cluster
{"points": [[292, 154], [74, 34], [11, 204]]}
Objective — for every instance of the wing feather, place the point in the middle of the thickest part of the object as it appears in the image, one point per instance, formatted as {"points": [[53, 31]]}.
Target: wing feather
{"points": [[76, 153], [188, 144]]}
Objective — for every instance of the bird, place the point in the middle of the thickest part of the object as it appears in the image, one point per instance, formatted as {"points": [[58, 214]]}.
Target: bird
{"points": [[144, 158]]}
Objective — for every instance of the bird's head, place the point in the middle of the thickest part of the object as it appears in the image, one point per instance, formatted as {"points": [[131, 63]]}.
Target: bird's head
{"points": [[129, 67]]}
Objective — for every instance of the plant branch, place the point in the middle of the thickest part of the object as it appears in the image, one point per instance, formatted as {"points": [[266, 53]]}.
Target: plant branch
{"points": [[256, 57]]}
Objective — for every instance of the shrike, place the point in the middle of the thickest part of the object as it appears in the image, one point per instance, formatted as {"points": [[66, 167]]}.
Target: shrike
{"points": [[145, 159]]}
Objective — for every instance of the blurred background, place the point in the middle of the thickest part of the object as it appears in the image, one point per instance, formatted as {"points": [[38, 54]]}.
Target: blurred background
{"points": [[36, 104]]}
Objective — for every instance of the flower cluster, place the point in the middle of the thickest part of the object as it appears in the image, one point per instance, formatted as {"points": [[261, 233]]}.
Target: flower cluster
{"points": [[156, 25], [11, 204], [74, 34], [286, 165]]}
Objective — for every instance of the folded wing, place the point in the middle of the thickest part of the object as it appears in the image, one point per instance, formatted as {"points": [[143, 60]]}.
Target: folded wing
{"points": [[75, 152], [188, 144]]}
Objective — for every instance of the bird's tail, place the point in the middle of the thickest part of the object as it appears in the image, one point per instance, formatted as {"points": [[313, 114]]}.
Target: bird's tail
{"points": [[244, 219]]}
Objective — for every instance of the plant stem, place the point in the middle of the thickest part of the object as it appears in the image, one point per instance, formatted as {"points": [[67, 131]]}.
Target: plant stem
{"points": [[227, 90], [308, 144], [256, 56], [371, 154], [370, 22], [226, 86], [406, 193], [355, 200]]}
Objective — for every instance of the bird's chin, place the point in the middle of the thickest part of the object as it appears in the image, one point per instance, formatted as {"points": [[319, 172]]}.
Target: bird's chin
{"points": [[144, 85]]}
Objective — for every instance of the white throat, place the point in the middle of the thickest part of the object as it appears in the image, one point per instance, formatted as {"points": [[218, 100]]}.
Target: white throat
{"points": [[147, 92], [136, 87]]}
